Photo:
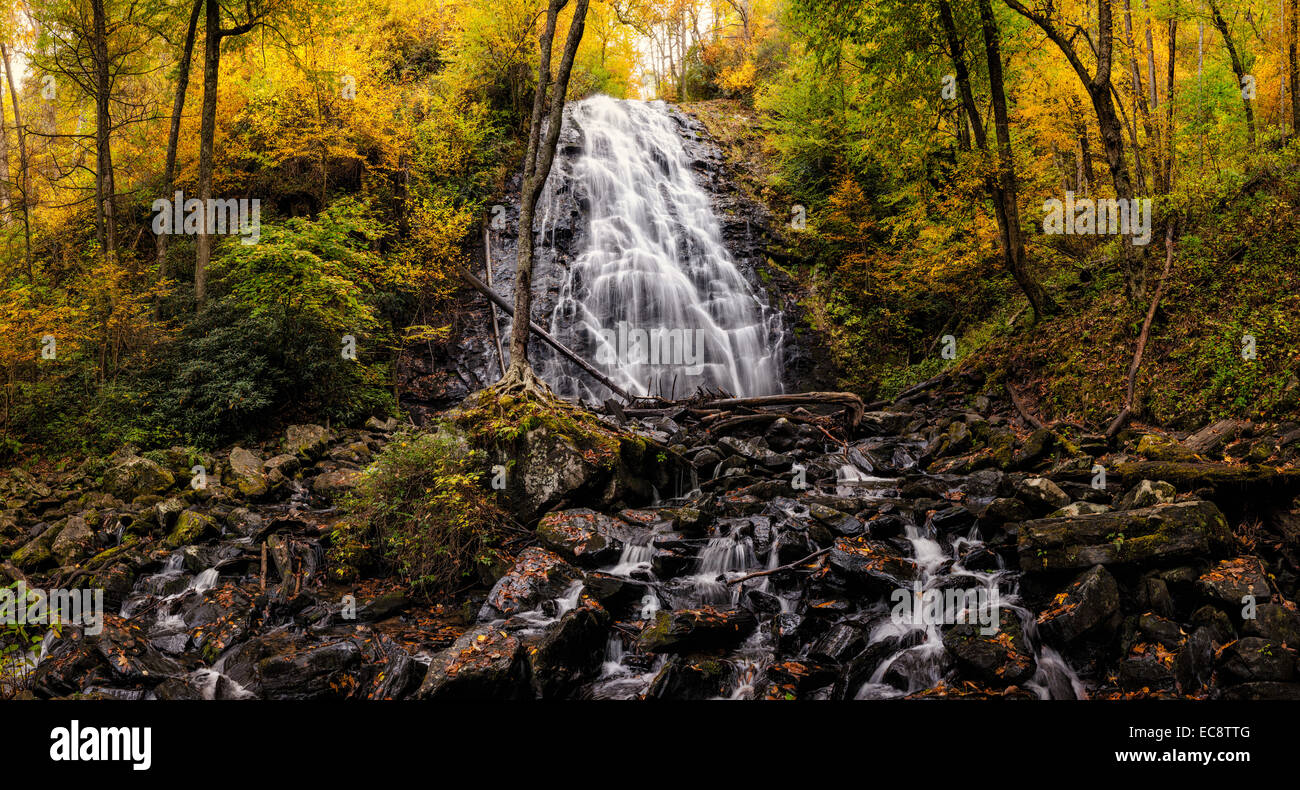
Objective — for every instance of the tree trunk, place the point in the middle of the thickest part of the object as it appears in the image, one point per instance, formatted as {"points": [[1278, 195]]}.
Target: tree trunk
{"points": [[207, 130], [104, 192], [537, 167], [1169, 105], [173, 137], [1295, 66], [1003, 186], [24, 182], [1013, 243]]}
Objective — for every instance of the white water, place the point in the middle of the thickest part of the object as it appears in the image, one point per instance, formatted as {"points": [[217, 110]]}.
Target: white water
{"points": [[654, 262]]}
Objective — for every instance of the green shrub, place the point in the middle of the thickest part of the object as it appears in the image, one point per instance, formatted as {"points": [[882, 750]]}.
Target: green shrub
{"points": [[421, 511]]}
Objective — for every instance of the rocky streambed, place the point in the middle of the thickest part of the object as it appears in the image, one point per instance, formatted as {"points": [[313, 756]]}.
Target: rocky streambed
{"points": [[774, 568]]}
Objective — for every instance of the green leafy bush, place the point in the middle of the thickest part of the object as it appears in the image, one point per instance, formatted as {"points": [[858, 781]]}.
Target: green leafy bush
{"points": [[421, 511]]}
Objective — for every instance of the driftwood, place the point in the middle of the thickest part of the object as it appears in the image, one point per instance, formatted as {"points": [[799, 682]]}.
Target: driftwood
{"points": [[546, 336], [1127, 411], [786, 567], [846, 399]]}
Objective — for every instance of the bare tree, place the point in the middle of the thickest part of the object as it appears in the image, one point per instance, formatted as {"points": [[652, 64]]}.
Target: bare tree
{"points": [[519, 378]]}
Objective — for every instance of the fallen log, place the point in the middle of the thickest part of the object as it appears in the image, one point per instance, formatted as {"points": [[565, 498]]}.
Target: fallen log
{"points": [[846, 399], [546, 336]]}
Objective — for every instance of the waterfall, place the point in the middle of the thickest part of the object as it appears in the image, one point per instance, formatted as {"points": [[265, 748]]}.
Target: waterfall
{"points": [[653, 298]]}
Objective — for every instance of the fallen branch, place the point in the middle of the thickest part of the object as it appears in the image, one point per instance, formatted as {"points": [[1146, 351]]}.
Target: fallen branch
{"points": [[846, 399], [546, 336], [786, 567], [1127, 412]]}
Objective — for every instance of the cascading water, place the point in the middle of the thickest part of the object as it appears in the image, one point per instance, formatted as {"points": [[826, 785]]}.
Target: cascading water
{"points": [[654, 299]]}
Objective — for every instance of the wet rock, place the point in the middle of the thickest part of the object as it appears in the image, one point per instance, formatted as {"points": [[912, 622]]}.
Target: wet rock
{"points": [[570, 652], [1164, 534], [692, 630], [582, 536], [1230, 581], [484, 663], [690, 678], [538, 575], [837, 522], [1275, 623], [1148, 666], [134, 476], [1041, 495], [382, 606], [1002, 658], [1252, 659], [871, 564], [1090, 601], [119, 655]]}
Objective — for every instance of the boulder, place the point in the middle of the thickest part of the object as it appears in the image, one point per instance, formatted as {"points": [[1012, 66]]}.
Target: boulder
{"points": [[1041, 495], [192, 527], [1162, 534], [871, 564], [1147, 493], [582, 536], [75, 540], [1091, 600], [484, 663], [538, 575], [308, 442], [1231, 580], [134, 476], [1002, 658], [246, 473], [693, 630]]}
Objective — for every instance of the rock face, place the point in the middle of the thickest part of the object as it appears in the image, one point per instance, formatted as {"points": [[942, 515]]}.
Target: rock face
{"points": [[1166, 533]]}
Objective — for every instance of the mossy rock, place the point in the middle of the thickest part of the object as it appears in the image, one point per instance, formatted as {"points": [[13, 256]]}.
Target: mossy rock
{"points": [[192, 527]]}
